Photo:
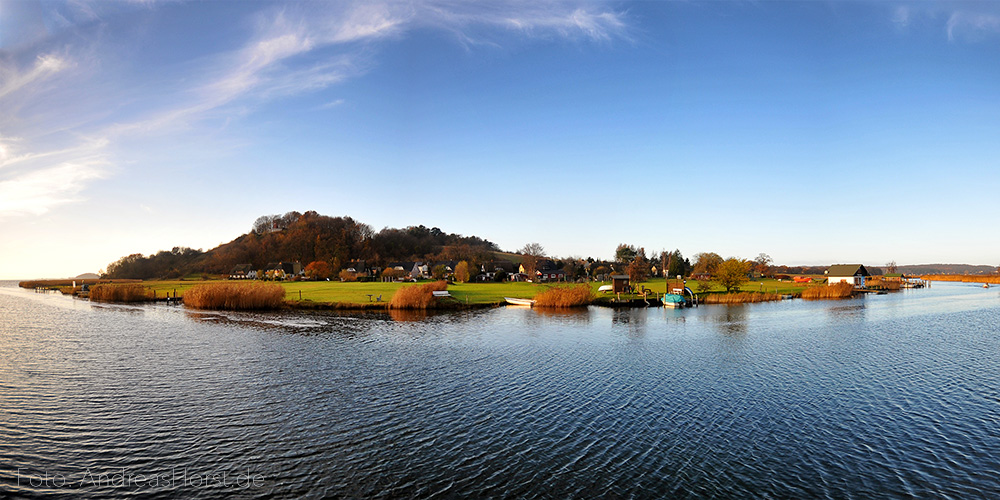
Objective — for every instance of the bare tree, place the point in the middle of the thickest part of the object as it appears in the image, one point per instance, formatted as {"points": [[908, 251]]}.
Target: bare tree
{"points": [[891, 267], [532, 249]]}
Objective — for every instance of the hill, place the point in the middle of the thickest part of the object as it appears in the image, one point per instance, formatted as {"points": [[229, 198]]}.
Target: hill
{"points": [[947, 269], [307, 237]]}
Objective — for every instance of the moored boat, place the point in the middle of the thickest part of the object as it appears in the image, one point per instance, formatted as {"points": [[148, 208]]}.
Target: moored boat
{"points": [[519, 302]]}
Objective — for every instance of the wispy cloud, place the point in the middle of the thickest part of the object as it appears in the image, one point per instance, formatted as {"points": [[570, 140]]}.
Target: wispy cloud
{"points": [[292, 49], [972, 25]]}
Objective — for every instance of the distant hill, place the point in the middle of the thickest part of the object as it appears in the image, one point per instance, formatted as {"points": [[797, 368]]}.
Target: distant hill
{"points": [[87, 276], [946, 269]]}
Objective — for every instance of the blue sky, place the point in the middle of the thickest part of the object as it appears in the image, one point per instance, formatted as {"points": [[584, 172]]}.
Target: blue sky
{"points": [[816, 132]]}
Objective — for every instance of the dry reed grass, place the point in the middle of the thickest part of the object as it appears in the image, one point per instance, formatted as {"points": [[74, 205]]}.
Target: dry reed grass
{"points": [[838, 291], [235, 296], [129, 292], [964, 278], [417, 296], [572, 296], [739, 298]]}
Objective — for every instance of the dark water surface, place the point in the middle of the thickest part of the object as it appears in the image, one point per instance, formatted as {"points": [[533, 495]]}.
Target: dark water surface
{"points": [[884, 396]]}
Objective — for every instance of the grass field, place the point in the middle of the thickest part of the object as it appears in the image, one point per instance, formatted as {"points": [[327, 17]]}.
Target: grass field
{"points": [[346, 293]]}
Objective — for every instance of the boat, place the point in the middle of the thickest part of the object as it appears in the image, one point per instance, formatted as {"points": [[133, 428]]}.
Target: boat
{"points": [[519, 302], [606, 288], [673, 300], [986, 285]]}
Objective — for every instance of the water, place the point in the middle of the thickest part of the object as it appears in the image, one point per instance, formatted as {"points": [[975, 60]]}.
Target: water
{"points": [[884, 396]]}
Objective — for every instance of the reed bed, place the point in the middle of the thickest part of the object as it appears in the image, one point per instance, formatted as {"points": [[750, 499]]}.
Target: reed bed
{"points": [[129, 292], [235, 296], [739, 298], [561, 297], [417, 296], [964, 278], [838, 291]]}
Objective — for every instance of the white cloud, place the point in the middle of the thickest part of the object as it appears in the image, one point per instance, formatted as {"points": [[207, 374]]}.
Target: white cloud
{"points": [[38, 191], [972, 25], [13, 80], [901, 17]]}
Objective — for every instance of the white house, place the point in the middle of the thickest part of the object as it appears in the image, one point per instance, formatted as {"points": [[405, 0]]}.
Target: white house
{"points": [[854, 274]]}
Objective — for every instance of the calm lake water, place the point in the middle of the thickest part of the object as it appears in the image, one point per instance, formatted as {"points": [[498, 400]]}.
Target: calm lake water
{"points": [[885, 396]]}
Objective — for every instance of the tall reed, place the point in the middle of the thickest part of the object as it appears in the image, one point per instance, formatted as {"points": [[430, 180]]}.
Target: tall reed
{"points": [[235, 296], [130, 292], [565, 296], [417, 296], [739, 297], [965, 278], [838, 291]]}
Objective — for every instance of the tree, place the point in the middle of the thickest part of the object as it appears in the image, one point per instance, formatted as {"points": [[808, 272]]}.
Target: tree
{"points": [[318, 270], [762, 264], [638, 270], [625, 253], [707, 262], [677, 265], [346, 275], [732, 273], [439, 272], [891, 267], [462, 272], [532, 249]]}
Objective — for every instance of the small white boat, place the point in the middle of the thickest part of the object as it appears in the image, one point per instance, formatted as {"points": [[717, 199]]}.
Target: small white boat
{"points": [[606, 288], [519, 302]]}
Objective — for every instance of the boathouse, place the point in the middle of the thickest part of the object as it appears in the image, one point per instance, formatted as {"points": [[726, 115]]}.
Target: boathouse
{"points": [[855, 274], [620, 283]]}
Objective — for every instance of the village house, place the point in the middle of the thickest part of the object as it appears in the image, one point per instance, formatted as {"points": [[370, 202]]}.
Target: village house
{"points": [[855, 274], [243, 272], [282, 270]]}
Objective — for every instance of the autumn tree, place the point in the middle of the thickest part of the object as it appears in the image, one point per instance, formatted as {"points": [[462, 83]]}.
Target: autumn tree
{"points": [[346, 275], [891, 267], [462, 272], [732, 273], [638, 269], [706, 262], [392, 274], [318, 270], [762, 264]]}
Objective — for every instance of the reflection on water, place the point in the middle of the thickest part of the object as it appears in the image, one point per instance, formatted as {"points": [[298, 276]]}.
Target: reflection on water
{"points": [[408, 314], [881, 396]]}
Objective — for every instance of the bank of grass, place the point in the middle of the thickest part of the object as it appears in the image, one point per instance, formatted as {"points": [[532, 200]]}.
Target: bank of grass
{"points": [[127, 292], [739, 298], [418, 297], [566, 296], [234, 296], [820, 292]]}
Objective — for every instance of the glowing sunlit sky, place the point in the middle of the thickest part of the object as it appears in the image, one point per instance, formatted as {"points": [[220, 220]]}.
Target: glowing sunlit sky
{"points": [[817, 132]]}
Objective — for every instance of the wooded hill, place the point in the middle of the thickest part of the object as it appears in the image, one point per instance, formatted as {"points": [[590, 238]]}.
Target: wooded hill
{"points": [[307, 237]]}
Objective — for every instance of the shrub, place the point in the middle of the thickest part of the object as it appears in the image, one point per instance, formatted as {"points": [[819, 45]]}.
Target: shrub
{"points": [[346, 275], [417, 296], [131, 292], [739, 298], [235, 296], [838, 291], [566, 296]]}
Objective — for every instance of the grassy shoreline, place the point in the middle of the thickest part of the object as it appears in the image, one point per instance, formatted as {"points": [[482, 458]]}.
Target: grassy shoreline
{"points": [[376, 296]]}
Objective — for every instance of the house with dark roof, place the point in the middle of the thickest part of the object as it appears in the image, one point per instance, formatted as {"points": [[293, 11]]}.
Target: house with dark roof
{"points": [[855, 274], [243, 272], [282, 270]]}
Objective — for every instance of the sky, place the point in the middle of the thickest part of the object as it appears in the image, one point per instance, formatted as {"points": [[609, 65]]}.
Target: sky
{"points": [[816, 132]]}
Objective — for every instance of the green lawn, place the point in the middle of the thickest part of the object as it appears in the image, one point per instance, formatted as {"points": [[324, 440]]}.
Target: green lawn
{"points": [[470, 293]]}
